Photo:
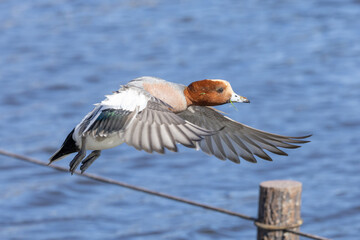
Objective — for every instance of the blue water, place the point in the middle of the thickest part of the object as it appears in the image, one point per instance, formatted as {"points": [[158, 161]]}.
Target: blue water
{"points": [[297, 61]]}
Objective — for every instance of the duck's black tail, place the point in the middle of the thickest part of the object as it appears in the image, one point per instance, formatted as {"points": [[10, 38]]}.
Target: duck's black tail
{"points": [[67, 147]]}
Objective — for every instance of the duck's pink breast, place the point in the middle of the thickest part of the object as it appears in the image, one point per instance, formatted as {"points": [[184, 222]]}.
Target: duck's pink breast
{"points": [[168, 93]]}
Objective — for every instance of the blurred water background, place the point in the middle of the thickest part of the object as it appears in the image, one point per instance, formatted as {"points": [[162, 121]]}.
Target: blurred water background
{"points": [[297, 61]]}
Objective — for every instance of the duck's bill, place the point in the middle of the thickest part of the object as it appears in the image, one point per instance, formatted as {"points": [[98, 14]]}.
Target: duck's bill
{"points": [[237, 98]]}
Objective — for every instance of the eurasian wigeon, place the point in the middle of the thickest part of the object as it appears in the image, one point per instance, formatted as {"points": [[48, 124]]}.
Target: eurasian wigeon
{"points": [[152, 114]]}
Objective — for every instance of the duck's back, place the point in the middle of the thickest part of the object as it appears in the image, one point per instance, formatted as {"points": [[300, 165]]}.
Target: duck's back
{"points": [[168, 92]]}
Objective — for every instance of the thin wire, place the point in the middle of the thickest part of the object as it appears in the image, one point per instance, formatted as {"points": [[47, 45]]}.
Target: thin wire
{"points": [[307, 235], [125, 185], [144, 190]]}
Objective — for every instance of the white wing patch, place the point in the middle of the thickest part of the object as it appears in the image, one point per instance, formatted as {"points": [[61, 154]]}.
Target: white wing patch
{"points": [[127, 99]]}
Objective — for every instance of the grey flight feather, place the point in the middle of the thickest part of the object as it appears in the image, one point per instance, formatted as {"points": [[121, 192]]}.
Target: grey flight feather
{"points": [[234, 139], [107, 121], [156, 127]]}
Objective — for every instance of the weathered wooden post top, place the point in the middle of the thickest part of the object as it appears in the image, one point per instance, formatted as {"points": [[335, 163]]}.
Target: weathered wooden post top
{"points": [[279, 209]]}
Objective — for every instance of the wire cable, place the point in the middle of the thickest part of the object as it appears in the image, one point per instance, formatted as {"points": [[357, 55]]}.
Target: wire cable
{"points": [[144, 190]]}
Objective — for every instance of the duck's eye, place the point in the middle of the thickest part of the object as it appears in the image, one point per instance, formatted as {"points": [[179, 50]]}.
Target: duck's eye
{"points": [[220, 90]]}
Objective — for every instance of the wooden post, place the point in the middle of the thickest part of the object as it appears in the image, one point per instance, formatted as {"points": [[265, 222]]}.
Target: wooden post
{"points": [[279, 209]]}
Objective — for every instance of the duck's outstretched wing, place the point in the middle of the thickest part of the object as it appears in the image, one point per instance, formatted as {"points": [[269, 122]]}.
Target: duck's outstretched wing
{"points": [[233, 139], [144, 122], [156, 128]]}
